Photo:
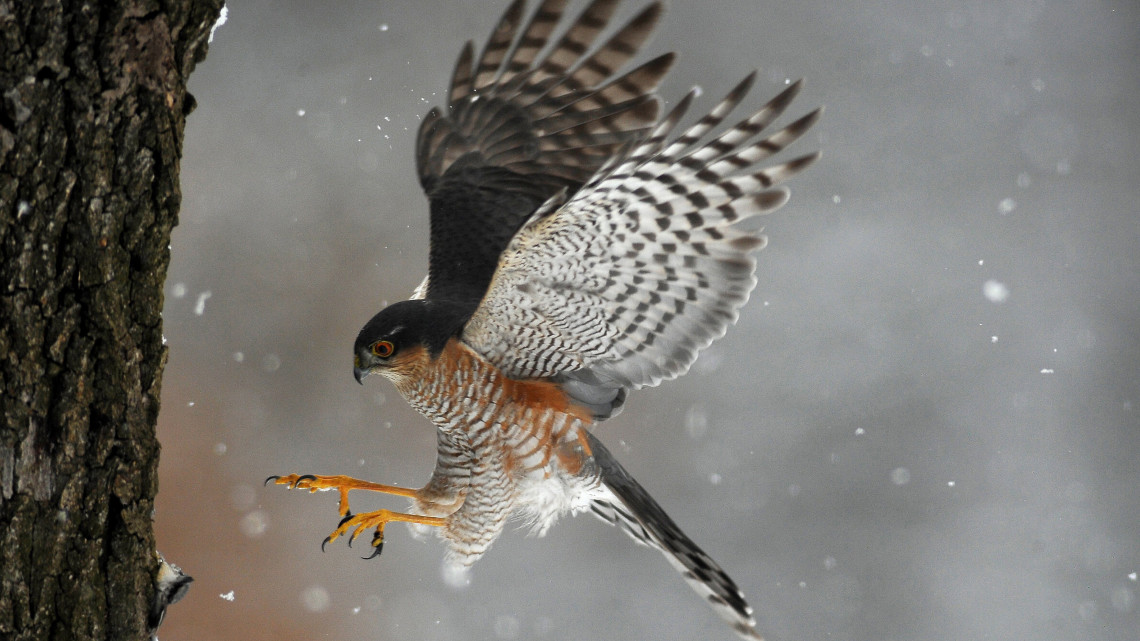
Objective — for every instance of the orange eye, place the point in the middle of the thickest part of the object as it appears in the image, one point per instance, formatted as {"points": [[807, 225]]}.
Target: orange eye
{"points": [[383, 349]]}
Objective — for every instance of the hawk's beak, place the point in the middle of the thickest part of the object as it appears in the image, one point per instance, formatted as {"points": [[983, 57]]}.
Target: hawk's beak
{"points": [[358, 372]]}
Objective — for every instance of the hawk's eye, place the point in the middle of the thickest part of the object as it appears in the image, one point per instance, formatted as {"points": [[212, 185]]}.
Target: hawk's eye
{"points": [[383, 349]]}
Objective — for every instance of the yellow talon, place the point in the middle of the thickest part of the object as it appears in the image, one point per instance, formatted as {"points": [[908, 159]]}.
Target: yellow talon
{"points": [[358, 523], [342, 484], [378, 519]]}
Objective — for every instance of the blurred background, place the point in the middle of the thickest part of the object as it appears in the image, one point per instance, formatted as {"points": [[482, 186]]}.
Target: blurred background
{"points": [[925, 426]]}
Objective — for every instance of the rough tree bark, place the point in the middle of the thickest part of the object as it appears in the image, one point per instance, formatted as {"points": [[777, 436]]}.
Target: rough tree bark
{"points": [[93, 103]]}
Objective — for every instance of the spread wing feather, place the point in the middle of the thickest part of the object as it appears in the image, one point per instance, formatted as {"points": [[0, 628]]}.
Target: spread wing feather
{"points": [[622, 285], [522, 125]]}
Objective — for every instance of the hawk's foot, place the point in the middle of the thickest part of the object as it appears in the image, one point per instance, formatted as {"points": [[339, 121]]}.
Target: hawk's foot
{"points": [[360, 522]]}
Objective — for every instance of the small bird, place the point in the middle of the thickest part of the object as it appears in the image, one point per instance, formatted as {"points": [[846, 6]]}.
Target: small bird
{"points": [[170, 585], [582, 246]]}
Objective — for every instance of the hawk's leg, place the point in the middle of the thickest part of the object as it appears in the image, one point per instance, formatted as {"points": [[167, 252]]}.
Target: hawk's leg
{"points": [[358, 522], [378, 519], [343, 484]]}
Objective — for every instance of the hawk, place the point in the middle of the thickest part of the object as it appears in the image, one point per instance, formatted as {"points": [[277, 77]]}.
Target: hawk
{"points": [[582, 246]]}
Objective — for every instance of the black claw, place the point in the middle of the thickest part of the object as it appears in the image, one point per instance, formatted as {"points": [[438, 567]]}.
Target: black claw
{"points": [[346, 519], [375, 552], [303, 477], [272, 478], [325, 542]]}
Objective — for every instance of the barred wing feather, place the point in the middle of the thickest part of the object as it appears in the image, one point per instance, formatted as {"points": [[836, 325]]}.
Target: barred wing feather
{"points": [[624, 283], [533, 114]]}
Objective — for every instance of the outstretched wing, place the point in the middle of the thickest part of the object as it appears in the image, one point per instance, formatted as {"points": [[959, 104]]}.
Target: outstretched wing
{"points": [[522, 125], [622, 285]]}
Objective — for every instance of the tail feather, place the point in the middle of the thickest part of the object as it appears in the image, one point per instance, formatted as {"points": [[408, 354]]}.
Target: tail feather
{"points": [[627, 505]]}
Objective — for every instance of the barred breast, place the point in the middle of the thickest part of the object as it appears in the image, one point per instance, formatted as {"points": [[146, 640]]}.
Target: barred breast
{"points": [[518, 448]]}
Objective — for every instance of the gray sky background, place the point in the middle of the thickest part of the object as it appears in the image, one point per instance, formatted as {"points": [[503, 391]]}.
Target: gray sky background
{"points": [[878, 451]]}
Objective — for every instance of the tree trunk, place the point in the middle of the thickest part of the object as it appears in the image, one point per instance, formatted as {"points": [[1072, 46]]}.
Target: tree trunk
{"points": [[92, 108]]}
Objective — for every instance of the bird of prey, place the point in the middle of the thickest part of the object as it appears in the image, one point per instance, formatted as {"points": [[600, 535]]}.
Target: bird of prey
{"points": [[582, 245]]}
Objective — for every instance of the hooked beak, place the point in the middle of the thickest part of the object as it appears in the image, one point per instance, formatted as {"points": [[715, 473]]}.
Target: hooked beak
{"points": [[357, 371]]}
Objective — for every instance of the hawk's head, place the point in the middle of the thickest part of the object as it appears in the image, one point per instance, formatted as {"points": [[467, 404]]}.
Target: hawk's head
{"points": [[404, 335]]}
